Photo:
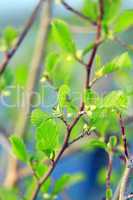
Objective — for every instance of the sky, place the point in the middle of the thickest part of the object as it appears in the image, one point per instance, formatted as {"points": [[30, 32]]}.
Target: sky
{"points": [[16, 11]]}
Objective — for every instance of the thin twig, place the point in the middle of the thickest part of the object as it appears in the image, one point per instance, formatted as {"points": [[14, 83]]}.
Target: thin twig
{"points": [[76, 119], [79, 137], [124, 182], [96, 45], [123, 133], [123, 44], [82, 16], [9, 55], [109, 171]]}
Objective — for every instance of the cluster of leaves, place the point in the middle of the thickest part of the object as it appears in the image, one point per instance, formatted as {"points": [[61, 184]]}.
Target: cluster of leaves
{"points": [[101, 111]]}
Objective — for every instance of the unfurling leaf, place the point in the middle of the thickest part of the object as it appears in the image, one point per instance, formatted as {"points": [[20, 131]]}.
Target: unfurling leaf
{"points": [[38, 116], [19, 148], [124, 21], [47, 137], [120, 62], [63, 94], [63, 36]]}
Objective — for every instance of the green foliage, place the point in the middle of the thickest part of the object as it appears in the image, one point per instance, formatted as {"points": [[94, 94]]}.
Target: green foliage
{"points": [[66, 181], [109, 194], [8, 38], [87, 49], [47, 137], [115, 101], [111, 10], [19, 148], [63, 95], [63, 36], [96, 143], [90, 9], [51, 61], [9, 194], [124, 21], [38, 116], [113, 141], [119, 63]]}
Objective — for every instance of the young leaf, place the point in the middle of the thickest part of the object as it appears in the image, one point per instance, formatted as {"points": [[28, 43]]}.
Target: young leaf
{"points": [[113, 141], [19, 148], [63, 95], [66, 181], [109, 193], [47, 137], [111, 10], [124, 21], [120, 62], [10, 34], [51, 61], [115, 100], [90, 9], [38, 116], [63, 36], [88, 49], [96, 143]]}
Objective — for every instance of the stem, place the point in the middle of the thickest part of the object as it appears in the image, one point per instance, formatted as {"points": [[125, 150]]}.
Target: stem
{"points": [[109, 171], [82, 16], [81, 110], [98, 36], [123, 133], [9, 55], [123, 184]]}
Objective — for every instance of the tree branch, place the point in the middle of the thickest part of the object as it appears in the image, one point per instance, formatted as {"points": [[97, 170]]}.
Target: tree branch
{"points": [[109, 171], [9, 55], [98, 36], [123, 184], [82, 16], [123, 133]]}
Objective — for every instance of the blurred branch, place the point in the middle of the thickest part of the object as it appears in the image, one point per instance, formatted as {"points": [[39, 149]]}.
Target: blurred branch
{"points": [[124, 182], [9, 55], [96, 45], [123, 134], [34, 75], [79, 114], [130, 196], [109, 171], [82, 16], [123, 44]]}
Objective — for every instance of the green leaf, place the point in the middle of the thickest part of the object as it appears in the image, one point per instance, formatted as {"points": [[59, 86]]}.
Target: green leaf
{"points": [[19, 148], [66, 181], [9, 194], [90, 9], [63, 94], [111, 10], [124, 21], [109, 194], [10, 34], [115, 100], [88, 49], [120, 62], [113, 141], [63, 36], [51, 61], [96, 143], [47, 137], [38, 116]]}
